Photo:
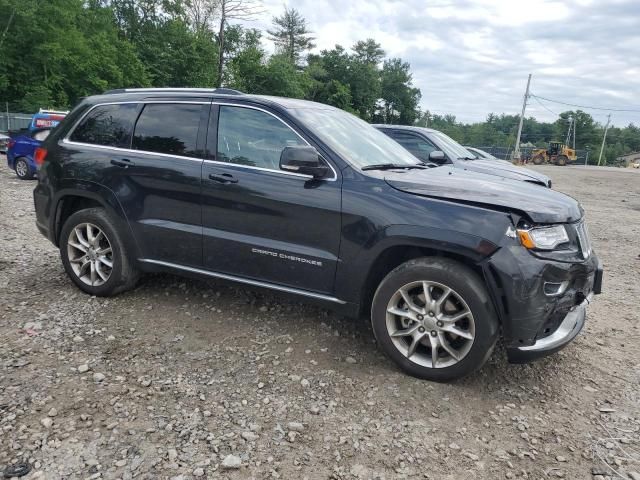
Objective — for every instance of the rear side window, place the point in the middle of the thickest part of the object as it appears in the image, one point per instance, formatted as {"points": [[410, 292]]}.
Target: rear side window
{"points": [[168, 128], [108, 125]]}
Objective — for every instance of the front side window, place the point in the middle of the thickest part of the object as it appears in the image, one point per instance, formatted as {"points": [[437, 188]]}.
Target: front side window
{"points": [[417, 145], [168, 128], [108, 125], [252, 137]]}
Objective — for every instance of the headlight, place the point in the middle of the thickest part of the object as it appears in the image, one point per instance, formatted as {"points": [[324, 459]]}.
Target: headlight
{"points": [[543, 238]]}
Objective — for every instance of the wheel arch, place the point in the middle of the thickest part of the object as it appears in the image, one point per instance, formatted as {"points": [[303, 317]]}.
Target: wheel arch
{"points": [[87, 195], [404, 245]]}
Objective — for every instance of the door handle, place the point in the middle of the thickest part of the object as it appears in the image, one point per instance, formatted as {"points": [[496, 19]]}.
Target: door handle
{"points": [[122, 162], [223, 178]]}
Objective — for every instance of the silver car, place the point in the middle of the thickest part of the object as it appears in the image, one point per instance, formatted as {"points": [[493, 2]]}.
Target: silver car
{"points": [[4, 142], [433, 146]]}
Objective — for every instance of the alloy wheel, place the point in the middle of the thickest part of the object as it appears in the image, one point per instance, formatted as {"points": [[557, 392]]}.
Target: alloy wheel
{"points": [[21, 168], [90, 254], [430, 324]]}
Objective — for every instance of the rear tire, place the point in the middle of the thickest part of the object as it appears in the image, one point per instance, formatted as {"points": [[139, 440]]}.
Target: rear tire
{"points": [[22, 168], [93, 254], [561, 160], [538, 160], [400, 305]]}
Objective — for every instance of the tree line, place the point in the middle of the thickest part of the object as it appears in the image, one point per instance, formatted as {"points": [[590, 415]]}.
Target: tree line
{"points": [[500, 131], [54, 52]]}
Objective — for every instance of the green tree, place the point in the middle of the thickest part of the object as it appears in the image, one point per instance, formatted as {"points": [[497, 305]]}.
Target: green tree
{"points": [[368, 51], [399, 102], [291, 35], [354, 72], [322, 88], [364, 82], [231, 10], [247, 59], [282, 78], [76, 51]]}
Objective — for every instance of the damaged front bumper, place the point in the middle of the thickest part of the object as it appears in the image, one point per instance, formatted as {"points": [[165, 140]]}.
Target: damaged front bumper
{"points": [[542, 303], [568, 329]]}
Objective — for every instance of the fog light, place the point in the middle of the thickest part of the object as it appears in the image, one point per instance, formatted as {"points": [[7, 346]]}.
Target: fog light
{"points": [[553, 289]]}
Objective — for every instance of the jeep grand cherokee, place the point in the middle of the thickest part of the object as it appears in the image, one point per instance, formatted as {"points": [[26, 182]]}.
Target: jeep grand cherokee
{"points": [[306, 199]]}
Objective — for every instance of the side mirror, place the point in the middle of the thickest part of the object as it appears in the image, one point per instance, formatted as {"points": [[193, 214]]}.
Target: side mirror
{"points": [[305, 160], [438, 156]]}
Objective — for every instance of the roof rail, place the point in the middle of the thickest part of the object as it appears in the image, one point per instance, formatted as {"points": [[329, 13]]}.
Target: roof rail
{"points": [[223, 91], [59, 112]]}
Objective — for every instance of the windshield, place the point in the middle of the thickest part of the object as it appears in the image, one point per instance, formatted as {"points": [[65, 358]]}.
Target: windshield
{"points": [[353, 139], [452, 148]]}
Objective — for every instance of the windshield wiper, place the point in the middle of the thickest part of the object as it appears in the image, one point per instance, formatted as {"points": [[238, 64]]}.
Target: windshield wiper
{"points": [[389, 166], [467, 158]]}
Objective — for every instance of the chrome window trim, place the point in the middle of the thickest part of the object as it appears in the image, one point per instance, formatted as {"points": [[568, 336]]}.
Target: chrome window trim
{"points": [[180, 157], [262, 169], [130, 150], [248, 281], [67, 141]]}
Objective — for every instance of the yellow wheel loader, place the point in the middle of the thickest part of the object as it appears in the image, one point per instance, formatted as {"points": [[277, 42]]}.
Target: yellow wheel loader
{"points": [[557, 153]]}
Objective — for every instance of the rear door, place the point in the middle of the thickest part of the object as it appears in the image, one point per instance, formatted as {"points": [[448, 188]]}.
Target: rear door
{"points": [[261, 222], [152, 163], [162, 194]]}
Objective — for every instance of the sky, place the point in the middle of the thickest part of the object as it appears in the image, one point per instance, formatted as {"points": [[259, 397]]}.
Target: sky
{"points": [[472, 57]]}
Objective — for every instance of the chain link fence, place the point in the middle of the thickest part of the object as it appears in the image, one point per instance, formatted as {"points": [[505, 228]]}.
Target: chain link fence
{"points": [[14, 121], [506, 153]]}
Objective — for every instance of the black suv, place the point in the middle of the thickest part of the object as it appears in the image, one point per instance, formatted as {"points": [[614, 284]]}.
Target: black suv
{"points": [[306, 199]]}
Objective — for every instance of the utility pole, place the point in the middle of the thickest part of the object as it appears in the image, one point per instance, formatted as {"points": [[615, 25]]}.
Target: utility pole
{"points": [[569, 131], [4, 34], [604, 138], [586, 159], [516, 153], [574, 133]]}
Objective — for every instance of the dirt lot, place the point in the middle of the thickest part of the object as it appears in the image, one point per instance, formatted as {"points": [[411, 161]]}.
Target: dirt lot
{"points": [[190, 379]]}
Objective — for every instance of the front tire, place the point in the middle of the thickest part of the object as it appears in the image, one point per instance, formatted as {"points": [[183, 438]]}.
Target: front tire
{"points": [[562, 160], [23, 169], [538, 160], [94, 255], [434, 319]]}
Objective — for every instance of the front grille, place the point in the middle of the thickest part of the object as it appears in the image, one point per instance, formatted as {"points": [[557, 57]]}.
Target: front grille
{"points": [[583, 239]]}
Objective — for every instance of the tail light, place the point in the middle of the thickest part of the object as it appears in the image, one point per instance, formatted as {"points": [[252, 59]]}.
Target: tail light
{"points": [[39, 155], [11, 143]]}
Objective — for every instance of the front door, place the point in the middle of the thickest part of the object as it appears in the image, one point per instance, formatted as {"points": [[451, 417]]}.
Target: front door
{"points": [[260, 222]]}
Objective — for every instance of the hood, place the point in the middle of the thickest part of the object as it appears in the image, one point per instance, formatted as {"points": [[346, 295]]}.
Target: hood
{"points": [[541, 205], [503, 169]]}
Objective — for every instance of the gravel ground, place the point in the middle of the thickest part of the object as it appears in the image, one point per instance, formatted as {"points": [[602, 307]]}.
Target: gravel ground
{"points": [[187, 379]]}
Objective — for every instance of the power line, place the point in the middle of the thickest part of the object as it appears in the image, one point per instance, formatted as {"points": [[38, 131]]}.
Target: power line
{"points": [[587, 106], [544, 106]]}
